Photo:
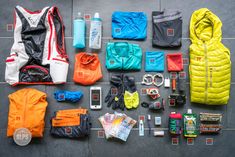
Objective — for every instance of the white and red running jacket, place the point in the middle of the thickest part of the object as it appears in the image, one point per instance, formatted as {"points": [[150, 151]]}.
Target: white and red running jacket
{"points": [[38, 54]]}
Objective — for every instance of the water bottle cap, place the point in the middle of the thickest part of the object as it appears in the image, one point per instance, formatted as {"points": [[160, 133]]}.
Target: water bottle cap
{"points": [[97, 15], [79, 15], [189, 111]]}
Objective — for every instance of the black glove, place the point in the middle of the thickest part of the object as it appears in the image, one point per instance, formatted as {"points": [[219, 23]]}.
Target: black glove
{"points": [[129, 83], [116, 100]]}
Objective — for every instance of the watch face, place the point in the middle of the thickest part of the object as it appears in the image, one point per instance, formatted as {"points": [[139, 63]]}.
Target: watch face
{"points": [[95, 96]]}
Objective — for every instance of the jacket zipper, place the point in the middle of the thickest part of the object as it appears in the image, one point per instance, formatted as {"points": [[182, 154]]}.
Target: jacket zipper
{"points": [[211, 70], [206, 62], [122, 63]]}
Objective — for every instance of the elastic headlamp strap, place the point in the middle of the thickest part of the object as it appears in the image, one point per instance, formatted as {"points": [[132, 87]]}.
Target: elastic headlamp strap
{"points": [[155, 79], [147, 79]]}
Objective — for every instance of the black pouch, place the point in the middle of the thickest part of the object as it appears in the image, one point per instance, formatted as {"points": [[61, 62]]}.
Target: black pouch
{"points": [[77, 131], [34, 73], [167, 28]]}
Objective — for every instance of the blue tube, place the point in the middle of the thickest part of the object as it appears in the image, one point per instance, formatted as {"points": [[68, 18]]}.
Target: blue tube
{"points": [[79, 32]]}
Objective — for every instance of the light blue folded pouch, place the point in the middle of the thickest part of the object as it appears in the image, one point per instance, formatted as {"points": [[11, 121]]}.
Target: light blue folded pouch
{"points": [[154, 61]]}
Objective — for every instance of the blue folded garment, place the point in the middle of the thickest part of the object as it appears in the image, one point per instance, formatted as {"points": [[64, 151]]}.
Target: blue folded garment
{"points": [[129, 25], [154, 61], [61, 95]]}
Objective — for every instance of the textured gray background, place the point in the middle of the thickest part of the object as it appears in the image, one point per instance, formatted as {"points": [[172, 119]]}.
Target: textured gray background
{"points": [[135, 146]]}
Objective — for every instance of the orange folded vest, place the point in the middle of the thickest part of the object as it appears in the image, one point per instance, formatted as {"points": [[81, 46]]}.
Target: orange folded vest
{"points": [[27, 110], [87, 69]]}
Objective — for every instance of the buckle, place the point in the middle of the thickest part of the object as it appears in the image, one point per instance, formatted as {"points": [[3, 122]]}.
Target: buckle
{"points": [[147, 80]]}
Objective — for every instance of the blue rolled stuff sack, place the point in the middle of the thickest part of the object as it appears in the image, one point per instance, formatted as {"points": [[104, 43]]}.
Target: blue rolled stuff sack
{"points": [[62, 95], [154, 62], [129, 25]]}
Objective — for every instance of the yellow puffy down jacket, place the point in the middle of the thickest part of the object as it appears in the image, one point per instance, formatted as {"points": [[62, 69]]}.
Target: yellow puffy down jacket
{"points": [[210, 65]]}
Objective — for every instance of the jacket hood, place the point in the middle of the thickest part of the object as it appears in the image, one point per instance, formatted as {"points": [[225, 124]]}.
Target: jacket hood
{"points": [[205, 27], [33, 96]]}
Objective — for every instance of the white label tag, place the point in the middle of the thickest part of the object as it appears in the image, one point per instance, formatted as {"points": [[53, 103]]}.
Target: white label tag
{"points": [[10, 27], [174, 141], [209, 141], [100, 134], [190, 141]]}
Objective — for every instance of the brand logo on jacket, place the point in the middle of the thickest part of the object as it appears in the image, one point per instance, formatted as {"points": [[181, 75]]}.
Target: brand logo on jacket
{"points": [[111, 62], [18, 118], [118, 30], [31, 20], [199, 58]]}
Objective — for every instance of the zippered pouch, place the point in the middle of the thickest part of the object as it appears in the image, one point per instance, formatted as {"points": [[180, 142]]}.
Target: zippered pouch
{"points": [[34, 73]]}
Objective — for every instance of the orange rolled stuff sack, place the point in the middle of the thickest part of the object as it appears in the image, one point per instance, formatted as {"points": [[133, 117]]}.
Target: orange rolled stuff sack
{"points": [[87, 69], [27, 110]]}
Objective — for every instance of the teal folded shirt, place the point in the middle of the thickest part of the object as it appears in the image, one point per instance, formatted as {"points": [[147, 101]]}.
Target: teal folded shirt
{"points": [[154, 61], [123, 56]]}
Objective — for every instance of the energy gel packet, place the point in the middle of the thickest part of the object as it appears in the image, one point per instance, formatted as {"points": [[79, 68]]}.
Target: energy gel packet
{"points": [[190, 124]]}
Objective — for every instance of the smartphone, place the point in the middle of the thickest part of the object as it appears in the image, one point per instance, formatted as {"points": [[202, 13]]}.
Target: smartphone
{"points": [[95, 98]]}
